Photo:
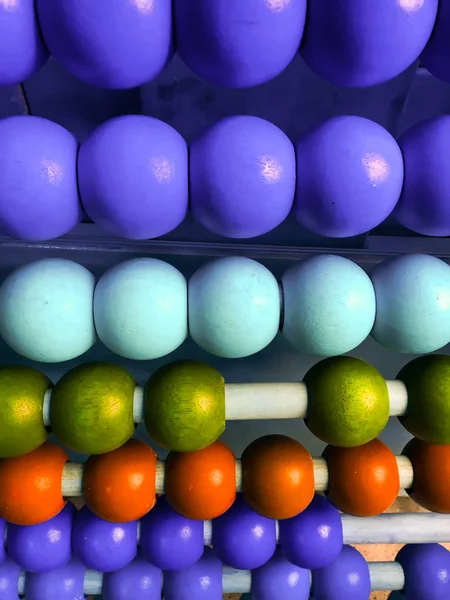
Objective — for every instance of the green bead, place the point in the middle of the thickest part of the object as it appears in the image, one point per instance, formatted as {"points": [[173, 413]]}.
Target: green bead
{"points": [[184, 406], [22, 391], [427, 381], [91, 408], [348, 401]]}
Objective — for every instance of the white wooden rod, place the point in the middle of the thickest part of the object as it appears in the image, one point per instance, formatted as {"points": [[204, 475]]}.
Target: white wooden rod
{"points": [[72, 480], [383, 576], [258, 401]]}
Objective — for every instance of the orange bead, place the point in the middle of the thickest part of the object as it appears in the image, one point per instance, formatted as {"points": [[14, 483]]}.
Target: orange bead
{"points": [[363, 481], [431, 465], [31, 485], [277, 476], [201, 485], [120, 486]]}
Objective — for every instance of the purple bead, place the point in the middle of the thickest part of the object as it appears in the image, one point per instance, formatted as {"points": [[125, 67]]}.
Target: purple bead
{"points": [[112, 44], [138, 581], [101, 545], [356, 43], [279, 578], [65, 583], [242, 538], [43, 547], [347, 577], [22, 51], [168, 540], [133, 177], [423, 206], [314, 538], [239, 43], [349, 177], [9, 580], [427, 571], [436, 55], [202, 581], [242, 177], [2, 540], [39, 191]]}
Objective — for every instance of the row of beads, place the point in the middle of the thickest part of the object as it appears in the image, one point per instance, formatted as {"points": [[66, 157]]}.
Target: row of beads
{"points": [[94, 407], [241, 177], [232, 307], [423, 570], [172, 542], [235, 44], [276, 474], [242, 539]]}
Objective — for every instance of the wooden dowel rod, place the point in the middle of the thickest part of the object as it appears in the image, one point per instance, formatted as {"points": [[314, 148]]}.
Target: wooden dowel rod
{"points": [[73, 476], [383, 576], [258, 401]]}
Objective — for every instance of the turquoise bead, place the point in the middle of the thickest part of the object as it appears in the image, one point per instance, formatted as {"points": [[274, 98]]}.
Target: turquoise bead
{"points": [[140, 309], [413, 304], [46, 310], [234, 307], [329, 305]]}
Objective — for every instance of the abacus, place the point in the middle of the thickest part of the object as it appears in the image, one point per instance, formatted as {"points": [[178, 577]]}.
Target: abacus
{"points": [[209, 381]]}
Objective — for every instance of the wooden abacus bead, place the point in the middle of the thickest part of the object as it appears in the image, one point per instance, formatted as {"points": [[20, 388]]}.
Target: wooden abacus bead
{"points": [[22, 392], [363, 481], [56, 296], [109, 43], [184, 406], [277, 476], [412, 317], [30, 490], [22, 50], [101, 545], [431, 465], [427, 381], [140, 308], [426, 569], [349, 45], [120, 486], [279, 578], [168, 540], [200, 581], [348, 401], [91, 409], [45, 546], [201, 484], [65, 583], [347, 577], [139, 580], [243, 539], [234, 307]]}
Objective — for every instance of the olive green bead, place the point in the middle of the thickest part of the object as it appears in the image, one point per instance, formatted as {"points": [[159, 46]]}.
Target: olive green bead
{"points": [[427, 381], [348, 401], [184, 406], [91, 408], [22, 391]]}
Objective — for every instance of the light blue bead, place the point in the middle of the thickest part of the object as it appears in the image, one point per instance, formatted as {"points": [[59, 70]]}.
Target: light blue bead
{"points": [[140, 309], [413, 304], [234, 307], [46, 310], [329, 305]]}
